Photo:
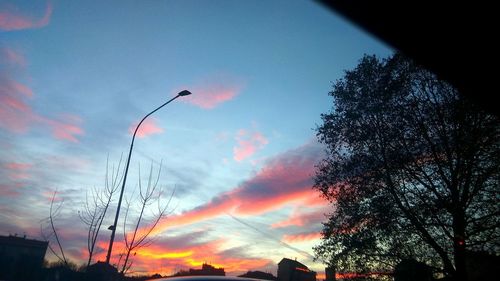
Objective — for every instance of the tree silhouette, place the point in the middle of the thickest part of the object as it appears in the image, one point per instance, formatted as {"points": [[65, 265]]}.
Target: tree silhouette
{"points": [[411, 169], [139, 238], [47, 235], [97, 204]]}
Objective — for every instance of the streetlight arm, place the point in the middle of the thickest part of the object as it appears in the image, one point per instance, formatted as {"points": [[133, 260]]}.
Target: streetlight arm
{"points": [[138, 125], [113, 227]]}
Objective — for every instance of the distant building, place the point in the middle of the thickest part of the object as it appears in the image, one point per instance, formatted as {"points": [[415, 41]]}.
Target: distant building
{"points": [[20, 258], [292, 270], [259, 275], [206, 269]]}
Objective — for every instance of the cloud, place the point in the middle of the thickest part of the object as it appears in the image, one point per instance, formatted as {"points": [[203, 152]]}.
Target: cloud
{"points": [[301, 237], [286, 179], [181, 252], [248, 144], [147, 128], [232, 260], [212, 92], [17, 166], [17, 116], [302, 219], [16, 170], [64, 130], [15, 113], [11, 19], [12, 57], [9, 190]]}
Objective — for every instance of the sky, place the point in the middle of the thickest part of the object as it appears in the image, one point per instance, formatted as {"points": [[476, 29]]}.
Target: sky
{"points": [[239, 154]]}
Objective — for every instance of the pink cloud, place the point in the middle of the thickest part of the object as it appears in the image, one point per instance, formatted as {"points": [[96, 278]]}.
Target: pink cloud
{"points": [[301, 237], [12, 57], [10, 190], [65, 131], [285, 180], [16, 115], [298, 218], [211, 93], [148, 127], [11, 19], [48, 195], [17, 166], [64, 128], [248, 144]]}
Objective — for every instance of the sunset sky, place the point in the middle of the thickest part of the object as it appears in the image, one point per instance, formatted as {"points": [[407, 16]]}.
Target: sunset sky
{"points": [[77, 76]]}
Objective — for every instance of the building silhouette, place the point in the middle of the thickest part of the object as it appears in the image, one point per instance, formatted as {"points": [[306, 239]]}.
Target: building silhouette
{"points": [[292, 270], [20, 258], [259, 275], [206, 269]]}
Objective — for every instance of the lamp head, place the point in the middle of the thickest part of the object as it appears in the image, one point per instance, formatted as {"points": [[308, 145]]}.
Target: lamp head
{"points": [[184, 93]]}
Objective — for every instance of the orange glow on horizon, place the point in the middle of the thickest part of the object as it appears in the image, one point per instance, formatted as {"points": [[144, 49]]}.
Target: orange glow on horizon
{"points": [[164, 260], [351, 275], [171, 255]]}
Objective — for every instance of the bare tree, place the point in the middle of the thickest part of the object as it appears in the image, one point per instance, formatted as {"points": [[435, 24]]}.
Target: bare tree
{"points": [[141, 237], [53, 213], [97, 204]]}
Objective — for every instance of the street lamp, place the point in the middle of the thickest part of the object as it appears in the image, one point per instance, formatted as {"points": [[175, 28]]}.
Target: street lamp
{"points": [[113, 227]]}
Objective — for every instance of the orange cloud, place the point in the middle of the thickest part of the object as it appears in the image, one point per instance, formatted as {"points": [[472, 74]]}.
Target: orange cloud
{"points": [[11, 19], [148, 127], [168, 255], [285, 179], [267, 204], [207, 211], [301, 237], [209, 94], [248, 144]]}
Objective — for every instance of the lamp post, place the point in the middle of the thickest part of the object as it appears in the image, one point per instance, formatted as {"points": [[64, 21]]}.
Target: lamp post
{"points": [[113, 227]]}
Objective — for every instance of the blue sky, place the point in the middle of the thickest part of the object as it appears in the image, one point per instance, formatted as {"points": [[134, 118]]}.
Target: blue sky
{"points": [[75, 76]]}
